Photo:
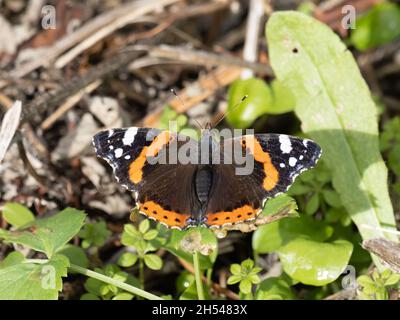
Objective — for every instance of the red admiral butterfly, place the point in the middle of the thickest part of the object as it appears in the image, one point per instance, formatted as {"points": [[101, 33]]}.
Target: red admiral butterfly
{"points": [[212, 195]]}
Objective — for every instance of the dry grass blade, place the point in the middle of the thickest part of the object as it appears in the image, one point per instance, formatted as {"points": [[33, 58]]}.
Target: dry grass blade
{"points": [[94, 26], [142, 8], [71, 101], [9, 126]]}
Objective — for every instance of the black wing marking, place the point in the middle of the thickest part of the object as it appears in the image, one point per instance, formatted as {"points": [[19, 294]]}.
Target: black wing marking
{"points": [[119, 147]]}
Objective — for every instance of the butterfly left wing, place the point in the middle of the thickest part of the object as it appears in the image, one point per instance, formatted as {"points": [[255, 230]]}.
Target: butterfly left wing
{"points": [[278, 160], [163, 191]]}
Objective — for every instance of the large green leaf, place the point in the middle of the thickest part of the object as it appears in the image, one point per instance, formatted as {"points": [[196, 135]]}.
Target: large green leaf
{"points": [[270, 237], [336, 109], [48, 235], [315, 263], [30, 281], [13, 258]]}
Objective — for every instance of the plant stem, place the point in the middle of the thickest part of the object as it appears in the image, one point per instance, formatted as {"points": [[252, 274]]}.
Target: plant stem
{"points": [[141, 273], [103, 278], [208, 276], [197, 274]]}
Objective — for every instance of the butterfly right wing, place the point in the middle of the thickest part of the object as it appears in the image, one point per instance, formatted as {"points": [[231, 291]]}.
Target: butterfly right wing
{"points": [[277, 160]]}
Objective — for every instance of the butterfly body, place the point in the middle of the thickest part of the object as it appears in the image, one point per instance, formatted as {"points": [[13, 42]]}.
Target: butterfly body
{"points": [[182, 182]]}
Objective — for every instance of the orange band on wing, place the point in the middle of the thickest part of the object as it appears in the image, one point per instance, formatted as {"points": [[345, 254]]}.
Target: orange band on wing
{"points": [[170, 218], [244, 213], [271, 174], [136, 167]]}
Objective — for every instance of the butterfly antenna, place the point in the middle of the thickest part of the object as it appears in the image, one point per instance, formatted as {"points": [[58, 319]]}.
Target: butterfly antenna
{"points": [[181, 101], [233, 109]]}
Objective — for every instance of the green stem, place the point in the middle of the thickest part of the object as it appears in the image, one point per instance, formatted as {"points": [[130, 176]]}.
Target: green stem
{"points": [[208, 275], [141, 273], [197, 274], [103, 278]]}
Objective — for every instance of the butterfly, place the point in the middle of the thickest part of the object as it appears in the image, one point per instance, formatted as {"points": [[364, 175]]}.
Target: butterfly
{"points": [[182, 194]]}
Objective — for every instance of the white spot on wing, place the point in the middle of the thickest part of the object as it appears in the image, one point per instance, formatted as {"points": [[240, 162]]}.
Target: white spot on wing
{"points": [[301, 157], [286, 145], [129, 136], [127, 157], [118, 152], [292, 161], [282, 165], [111, 147], [110, 133]]}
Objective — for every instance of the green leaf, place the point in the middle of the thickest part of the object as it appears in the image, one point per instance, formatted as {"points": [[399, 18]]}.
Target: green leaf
{"points": [[13, 258], [281, 203], [315, 263], [131, 236], [150, 235], [181, 120], [131, 230], [29, 281], [17, 215], [386, 274], [234, 279], [254, 278], [94, 286], [255, 105], [89, 296], [153, 261], [94, 234], [390, 135], [298, 189], [365, 281], [337, 111], [48, 235], [269, 238], [247, 264], [394, 159], [191, 292], [331, 197], [245, 286], [378, 26], [312, 204], [144, 226], [127, 259], [182, 244], [76, 255], [274, 288], [235, 268], [392, 280], [184, 280]]}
